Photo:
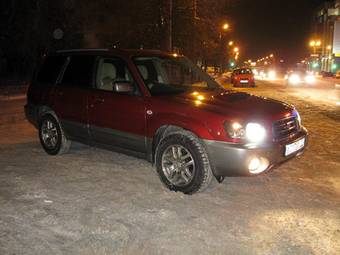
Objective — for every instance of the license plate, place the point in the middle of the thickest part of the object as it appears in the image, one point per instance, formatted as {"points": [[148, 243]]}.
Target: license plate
{"points": [[293, 147], [244, 81]]}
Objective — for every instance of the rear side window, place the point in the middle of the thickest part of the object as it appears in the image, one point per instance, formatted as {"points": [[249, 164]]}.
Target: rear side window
{"points": [[50, 69], [79, 72]]}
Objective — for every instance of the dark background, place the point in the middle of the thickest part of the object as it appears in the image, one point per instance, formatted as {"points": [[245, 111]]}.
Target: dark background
{"points": [[283, 27], [259, 27]]}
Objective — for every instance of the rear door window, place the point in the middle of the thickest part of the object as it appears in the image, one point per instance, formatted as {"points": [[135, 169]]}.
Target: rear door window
{"points": [[50, 69], [79, 72]]}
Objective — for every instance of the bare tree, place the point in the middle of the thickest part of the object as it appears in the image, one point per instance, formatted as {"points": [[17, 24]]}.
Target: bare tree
{"points": [[27, 27]]}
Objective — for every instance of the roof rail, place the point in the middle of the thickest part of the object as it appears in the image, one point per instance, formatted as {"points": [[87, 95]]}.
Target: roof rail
{"points": [[80, 50]]}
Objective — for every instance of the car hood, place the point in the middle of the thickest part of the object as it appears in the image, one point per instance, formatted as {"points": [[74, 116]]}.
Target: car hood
{"points": [[232, 103]]}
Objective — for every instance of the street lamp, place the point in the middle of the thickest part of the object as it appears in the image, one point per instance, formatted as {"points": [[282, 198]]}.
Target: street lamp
{"points": [[314, 44], [236, 49], [231, 43], [225, 26]]}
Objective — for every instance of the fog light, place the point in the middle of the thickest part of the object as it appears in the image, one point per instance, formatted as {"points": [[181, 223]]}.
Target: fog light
{"points": [[258, 165]]}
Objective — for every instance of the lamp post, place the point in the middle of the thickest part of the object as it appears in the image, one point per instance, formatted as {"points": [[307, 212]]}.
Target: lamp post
{"points": [[225, 28], [315, 44], [236, 51], [329, 59]]}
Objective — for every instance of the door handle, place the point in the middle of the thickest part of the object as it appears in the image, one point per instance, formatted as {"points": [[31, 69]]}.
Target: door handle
{"points": [[99, 100]]}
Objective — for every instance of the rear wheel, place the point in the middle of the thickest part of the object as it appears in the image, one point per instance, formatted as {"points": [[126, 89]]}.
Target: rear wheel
{"points": [[52, 137], [182, 163]]}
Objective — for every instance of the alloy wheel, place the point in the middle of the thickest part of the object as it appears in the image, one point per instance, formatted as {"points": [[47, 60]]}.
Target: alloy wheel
{"points": [[178, 165]]}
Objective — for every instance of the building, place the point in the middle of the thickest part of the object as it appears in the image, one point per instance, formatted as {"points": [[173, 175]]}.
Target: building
{"points": [[326, 25]]}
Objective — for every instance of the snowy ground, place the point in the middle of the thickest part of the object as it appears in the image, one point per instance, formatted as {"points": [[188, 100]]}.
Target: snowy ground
{"points": [[93, 201]]}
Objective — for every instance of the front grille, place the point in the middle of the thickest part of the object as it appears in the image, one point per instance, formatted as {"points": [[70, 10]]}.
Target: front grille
{"points": [[284, 128]]}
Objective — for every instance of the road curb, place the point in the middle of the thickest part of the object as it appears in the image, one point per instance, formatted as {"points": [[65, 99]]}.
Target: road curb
{"points": [[12, 97], [10, 119]]}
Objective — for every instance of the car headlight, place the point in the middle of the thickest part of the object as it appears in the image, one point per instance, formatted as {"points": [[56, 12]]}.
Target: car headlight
{"points": [[310, 78], [253, 132], [294, 79], [272, 75]]}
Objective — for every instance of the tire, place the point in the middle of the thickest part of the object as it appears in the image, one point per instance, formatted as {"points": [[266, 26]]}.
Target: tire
{"points": [[52, 136], [179, 174]]}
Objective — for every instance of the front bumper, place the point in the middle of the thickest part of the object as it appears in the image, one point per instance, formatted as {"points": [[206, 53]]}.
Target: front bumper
{"points": [[229, 159]]}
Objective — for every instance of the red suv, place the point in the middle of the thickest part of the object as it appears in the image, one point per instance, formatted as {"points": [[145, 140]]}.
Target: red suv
{"points": [[162, 108]]}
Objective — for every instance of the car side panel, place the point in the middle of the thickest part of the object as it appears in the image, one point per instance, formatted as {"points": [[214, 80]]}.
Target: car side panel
{"points": [[117, 120]]}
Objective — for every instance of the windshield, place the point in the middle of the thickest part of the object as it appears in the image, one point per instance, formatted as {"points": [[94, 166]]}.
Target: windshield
{"points": [[244, 71], [172, 75]]}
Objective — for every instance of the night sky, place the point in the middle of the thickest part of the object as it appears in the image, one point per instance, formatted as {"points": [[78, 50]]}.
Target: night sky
{"points": [[282, 27]]}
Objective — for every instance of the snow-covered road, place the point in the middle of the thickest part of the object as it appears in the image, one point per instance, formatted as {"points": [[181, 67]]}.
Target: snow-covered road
{"points": [[93, 201]]}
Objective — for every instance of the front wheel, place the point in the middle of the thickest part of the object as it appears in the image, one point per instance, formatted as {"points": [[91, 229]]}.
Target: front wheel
{"points": [[52, 137], [182, 163]]}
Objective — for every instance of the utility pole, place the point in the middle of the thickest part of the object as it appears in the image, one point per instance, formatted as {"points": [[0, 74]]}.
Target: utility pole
{"points": [[194, 34], [166, 21]]}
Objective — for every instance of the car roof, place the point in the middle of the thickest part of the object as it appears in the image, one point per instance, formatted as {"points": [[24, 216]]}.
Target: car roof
{"points": [[121, 52]]}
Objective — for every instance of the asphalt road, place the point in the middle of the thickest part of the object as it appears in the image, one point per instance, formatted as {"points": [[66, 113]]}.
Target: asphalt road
{"points": [[93, 201]]}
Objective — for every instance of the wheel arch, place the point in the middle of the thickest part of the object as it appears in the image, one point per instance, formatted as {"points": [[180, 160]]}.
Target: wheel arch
{"points": [[162, 132], [43, 110]]}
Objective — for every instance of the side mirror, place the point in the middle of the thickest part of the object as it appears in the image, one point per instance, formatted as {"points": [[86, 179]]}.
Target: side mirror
{"points": [[122, 87]]}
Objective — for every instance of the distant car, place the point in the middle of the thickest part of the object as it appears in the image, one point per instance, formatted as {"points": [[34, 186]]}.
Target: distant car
{"points": [[300, 78], [163, 108], [243, 77], [337, 75], [326, 74]]}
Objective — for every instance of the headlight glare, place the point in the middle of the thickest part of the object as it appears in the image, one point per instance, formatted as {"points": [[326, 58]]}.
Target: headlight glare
{"points": [[294, 79], [255, 132], [310, 78]]}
